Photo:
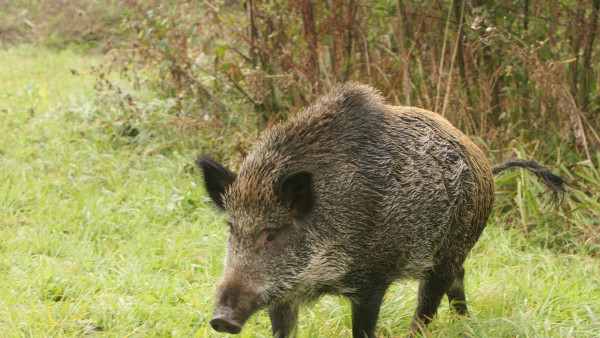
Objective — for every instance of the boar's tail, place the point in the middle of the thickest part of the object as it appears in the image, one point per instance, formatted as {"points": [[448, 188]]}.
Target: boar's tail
{"points": [[555, 184]]}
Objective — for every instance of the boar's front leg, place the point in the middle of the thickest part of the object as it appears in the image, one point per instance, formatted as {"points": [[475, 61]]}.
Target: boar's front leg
{"points": [[283, 318], [365, 311]]}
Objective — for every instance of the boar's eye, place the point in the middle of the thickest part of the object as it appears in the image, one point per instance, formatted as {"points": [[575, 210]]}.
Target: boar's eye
{"points": [[269, 240]]}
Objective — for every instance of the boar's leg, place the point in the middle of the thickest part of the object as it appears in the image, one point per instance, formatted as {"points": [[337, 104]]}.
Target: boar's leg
{"points": [[283, 318], [456, 293], [432, 288], [365, 310]]}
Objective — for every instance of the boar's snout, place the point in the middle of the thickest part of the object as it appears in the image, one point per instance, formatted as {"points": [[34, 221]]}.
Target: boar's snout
{"points": [[222, 321], [236, 301]]}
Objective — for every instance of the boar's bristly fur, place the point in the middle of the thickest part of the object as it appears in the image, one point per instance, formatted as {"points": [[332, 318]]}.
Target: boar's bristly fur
{"points": [[345, 198]]}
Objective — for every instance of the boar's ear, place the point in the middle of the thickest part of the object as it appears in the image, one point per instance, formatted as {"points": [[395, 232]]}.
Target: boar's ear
{"points": [[296, 192], [216, 178]]}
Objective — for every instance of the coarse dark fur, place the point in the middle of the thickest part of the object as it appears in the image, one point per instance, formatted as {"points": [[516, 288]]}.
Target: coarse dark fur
{"points": [[345, 198]]}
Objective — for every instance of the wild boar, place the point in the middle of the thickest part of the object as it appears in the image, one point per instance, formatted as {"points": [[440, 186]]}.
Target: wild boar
{"points": [[345, 198]]}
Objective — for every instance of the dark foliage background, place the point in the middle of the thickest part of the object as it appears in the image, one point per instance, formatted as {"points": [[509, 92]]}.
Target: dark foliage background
{"points": [[504, 71]]}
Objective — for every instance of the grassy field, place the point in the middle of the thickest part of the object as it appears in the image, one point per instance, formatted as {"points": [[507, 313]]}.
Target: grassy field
{"points": [[107, 234]]}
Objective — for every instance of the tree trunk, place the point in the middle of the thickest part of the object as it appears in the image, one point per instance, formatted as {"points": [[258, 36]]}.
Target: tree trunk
{"points": [[526, 16], [252, 31], [402, 34], [310, 34], [459, 52], [348, 38], [578, 23], [590, 35]]}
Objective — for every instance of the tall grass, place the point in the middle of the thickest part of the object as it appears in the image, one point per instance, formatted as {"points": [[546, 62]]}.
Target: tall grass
{"points": [[106, 233]]}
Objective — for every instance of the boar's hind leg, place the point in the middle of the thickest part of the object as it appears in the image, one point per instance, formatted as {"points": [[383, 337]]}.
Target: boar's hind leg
{"points": [[283, 319], [456, 294], [365, 310], [432, 288]]}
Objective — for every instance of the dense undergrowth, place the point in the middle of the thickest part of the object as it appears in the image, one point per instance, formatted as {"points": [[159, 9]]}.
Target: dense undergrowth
{"points": [[504, 71]]}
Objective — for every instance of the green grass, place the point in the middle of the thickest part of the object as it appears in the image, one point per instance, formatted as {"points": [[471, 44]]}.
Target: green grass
{"points": [[112, 235]]}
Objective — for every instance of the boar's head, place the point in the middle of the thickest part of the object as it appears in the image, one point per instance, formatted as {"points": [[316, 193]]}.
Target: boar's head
{"points": [[267, 247]]}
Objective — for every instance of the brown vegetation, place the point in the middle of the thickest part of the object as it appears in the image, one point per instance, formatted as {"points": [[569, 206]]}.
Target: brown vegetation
{"points": [[491, 68]]}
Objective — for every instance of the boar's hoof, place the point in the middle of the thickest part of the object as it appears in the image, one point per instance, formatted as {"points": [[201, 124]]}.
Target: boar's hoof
{"points": [[225, 324]]}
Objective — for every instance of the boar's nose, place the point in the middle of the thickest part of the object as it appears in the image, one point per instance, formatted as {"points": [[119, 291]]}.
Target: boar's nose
{"points": [[222, 321]]}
